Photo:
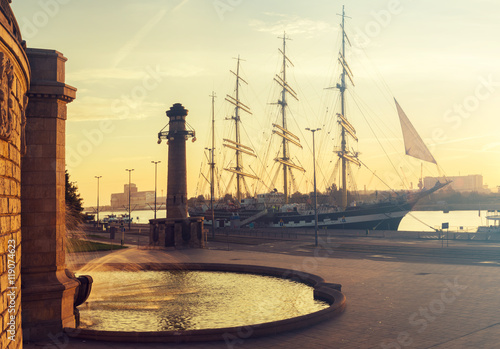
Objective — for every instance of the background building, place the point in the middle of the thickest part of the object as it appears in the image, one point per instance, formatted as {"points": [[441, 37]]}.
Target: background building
{"points": [[138, 199], [470, 183]]}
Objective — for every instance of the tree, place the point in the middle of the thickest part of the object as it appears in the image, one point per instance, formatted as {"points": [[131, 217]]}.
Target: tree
{"points": [[229, 198], [298, 198], [74, 204]]}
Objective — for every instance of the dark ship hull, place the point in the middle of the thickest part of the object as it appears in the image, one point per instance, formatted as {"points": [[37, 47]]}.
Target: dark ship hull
{"points": [[380, 216]]}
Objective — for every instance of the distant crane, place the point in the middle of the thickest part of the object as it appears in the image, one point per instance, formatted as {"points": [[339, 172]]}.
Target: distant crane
{"points": [[420, 181]]}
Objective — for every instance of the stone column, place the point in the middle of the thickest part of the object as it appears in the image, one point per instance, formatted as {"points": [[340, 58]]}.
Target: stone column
{"points": [[48, 291]]}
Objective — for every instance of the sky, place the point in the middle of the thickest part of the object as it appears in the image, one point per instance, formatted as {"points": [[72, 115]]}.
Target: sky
{"points": [[132, 60]]}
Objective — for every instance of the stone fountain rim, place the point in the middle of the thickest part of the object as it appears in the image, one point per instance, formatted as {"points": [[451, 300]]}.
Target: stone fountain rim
{"points": [[324, 291]]}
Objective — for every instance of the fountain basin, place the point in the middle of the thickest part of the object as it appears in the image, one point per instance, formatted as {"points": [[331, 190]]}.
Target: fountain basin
{"points": [[329, 293]]}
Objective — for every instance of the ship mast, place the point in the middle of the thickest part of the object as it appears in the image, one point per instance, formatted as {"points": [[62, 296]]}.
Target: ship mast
{"points": [[212, 165], [281, 130], [344, 154], [236, 144]]}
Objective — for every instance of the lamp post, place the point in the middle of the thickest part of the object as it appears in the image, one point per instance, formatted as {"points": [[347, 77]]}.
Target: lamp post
{"points": [[129, 182], [315, 192], [98, 177], [156, 172], [212, 167]]}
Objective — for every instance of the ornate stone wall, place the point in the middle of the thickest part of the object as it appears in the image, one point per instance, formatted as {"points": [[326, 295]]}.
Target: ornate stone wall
{"points": [[14, 82]]}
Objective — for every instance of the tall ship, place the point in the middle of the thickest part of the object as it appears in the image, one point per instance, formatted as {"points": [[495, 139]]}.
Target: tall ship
{"points": [[272, 209]]}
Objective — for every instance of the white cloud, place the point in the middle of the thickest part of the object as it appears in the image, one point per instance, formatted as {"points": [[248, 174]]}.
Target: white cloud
{"points": [[106, 74], [493, 147], [181, 4], [89, 108], [291, 24], [131, 44]]}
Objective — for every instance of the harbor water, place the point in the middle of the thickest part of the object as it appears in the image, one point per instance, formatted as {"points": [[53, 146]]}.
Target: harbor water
{"points": [[465, 221]]}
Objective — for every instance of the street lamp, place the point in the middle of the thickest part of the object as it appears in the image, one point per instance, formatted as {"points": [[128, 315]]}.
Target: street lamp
{"points": [[315, 192], [156, 172], [129, 178], [98, 177], [212, 167]]}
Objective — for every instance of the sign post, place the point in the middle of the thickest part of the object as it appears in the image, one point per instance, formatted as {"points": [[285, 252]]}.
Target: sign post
{"points": [[445, 226]]}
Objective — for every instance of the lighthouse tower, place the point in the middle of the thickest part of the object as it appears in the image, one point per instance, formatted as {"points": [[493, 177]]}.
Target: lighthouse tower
{"points": [[177, 174], [177, 229]]}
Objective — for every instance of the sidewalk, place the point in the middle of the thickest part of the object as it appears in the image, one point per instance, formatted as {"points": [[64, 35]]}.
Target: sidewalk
{"points": [[390, 304]]}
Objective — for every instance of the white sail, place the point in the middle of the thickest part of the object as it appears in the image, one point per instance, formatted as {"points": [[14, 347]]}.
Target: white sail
{"points": [[414, 145]]}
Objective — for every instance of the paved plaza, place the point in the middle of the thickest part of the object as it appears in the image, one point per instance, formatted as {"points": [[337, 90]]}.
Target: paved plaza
{"points": [[425, 297]]}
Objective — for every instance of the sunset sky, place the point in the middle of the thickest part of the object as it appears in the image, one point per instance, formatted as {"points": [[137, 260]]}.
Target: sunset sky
{"points": [[131, 60]]}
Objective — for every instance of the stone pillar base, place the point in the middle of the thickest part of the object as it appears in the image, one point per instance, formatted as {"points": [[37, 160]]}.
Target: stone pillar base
{"points": [[48, 304], [178, 233], [48, 292]]}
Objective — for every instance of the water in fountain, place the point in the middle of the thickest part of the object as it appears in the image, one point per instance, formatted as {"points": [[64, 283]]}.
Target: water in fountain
{"points": [[185, 300]]}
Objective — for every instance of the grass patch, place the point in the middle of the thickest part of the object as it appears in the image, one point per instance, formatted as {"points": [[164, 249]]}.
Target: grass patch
{"points": [[75, 245], [95, 236]]}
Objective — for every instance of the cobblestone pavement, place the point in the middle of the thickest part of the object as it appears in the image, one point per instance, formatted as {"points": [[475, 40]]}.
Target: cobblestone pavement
{"points": [[418, 297]]}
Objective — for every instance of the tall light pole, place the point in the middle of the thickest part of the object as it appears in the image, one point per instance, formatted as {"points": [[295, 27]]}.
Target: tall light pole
{"points": [[98, 177], [315, 192], [129, 182], [156, 172]]}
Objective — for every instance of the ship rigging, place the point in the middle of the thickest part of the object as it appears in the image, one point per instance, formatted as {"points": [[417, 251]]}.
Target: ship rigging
{"points": [[239, 149], [282, 131], [385, 213]]}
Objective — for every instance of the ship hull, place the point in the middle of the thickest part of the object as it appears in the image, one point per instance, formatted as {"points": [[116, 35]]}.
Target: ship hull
{"points": [[378, 216], [371, 217]]}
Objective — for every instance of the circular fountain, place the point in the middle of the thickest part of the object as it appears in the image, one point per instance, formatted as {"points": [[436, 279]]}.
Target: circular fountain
{"points": [[160, 302]]}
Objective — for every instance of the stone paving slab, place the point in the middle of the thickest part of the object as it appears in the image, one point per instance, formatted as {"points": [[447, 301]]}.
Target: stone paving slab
{"points": [[390, 304]]}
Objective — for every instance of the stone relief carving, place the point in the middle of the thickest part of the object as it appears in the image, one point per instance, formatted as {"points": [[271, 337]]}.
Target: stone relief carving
{"points": [[7, 117], [23, 125]]}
